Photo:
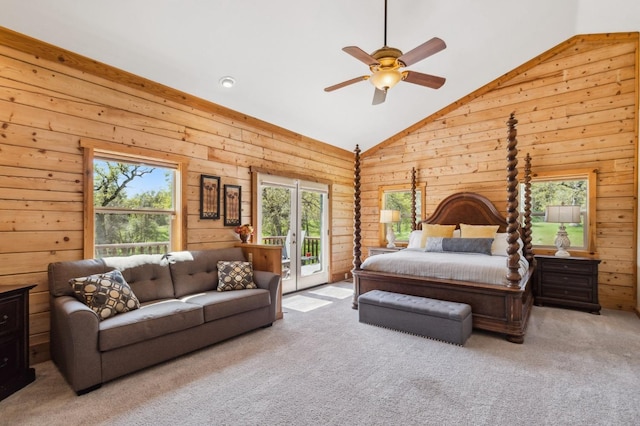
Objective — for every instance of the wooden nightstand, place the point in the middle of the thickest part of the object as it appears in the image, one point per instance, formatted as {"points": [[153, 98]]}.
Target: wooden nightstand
{"points": [[14, 339], [382, 250], [567, 281]]}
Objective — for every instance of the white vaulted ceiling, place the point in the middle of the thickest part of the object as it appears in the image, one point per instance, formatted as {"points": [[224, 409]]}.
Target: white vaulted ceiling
{"points": [[283, 53]]}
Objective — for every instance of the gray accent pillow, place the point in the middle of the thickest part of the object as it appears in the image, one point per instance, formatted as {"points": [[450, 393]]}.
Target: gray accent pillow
{"points": [[459, 245]]}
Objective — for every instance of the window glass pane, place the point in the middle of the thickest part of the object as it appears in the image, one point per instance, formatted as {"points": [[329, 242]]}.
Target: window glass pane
{"points": [[401, 200], [555, 193], [123, 234], [134, 205], [128, 185]]}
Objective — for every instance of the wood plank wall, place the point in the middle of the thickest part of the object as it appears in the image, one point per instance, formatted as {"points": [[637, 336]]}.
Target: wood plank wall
{"points": [[577, 108], [51, 100]]}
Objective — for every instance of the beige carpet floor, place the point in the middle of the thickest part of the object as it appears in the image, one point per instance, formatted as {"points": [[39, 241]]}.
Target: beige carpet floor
{"points": [[323, 367]]}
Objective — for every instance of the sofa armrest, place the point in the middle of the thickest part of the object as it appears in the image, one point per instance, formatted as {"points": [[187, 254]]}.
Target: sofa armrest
{"points": [[269, 281], [74, 342]]}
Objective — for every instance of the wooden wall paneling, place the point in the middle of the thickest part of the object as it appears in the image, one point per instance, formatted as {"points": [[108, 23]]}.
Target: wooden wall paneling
{"points": [[576, 104], [52, 102]]}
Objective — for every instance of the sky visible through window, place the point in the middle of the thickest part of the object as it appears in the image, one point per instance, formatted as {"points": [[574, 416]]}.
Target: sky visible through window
{"points": [[153, 181]]}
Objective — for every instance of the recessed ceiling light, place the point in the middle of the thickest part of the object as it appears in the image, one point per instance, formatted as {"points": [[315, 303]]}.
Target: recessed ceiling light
{"points": [[227, 82]]}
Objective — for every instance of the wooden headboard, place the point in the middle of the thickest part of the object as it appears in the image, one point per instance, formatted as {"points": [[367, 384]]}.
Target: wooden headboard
{"points": [[469, 208]]}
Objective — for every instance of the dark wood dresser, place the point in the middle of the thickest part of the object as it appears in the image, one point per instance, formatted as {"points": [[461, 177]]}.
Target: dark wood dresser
{"points": [[567, 281], [14, 339]]}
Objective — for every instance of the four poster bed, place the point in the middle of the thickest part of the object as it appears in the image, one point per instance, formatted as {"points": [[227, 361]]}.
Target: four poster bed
{"points": [[500, 303]]}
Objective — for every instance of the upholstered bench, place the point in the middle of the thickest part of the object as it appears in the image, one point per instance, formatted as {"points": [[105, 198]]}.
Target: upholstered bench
{"points": [[438, 319]]}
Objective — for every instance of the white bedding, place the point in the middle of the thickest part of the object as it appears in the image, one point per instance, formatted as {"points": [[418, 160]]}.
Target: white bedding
{"points": [[471, 267]]}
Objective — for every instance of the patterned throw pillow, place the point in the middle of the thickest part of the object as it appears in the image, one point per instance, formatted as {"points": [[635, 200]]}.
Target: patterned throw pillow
{"points": [[106, 294], [235, 275]]}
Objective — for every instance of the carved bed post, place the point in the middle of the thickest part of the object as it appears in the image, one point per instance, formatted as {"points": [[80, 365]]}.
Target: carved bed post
{"points": [[513, 225], [356, 211], [413, 199], [526, 238]]}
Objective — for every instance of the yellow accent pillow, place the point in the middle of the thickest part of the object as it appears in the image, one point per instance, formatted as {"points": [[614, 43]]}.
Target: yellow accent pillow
{"points": [[478, 231], [428, 230]]}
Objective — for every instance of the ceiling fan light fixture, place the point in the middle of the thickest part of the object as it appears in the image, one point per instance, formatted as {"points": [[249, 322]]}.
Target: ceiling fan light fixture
{"points": [[385, 79], [227, 82]]}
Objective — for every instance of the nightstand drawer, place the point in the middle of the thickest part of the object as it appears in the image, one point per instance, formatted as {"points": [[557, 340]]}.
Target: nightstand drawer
{"points": [[579, 267], [9, 320], [567, 293], [9, 359], [568, 280]]}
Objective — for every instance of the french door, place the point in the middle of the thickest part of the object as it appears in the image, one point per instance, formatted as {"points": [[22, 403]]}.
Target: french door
{"points": [[294, 213]]}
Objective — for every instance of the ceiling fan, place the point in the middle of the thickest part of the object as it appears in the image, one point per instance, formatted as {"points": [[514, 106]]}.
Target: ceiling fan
{"points": [[386, 62]]}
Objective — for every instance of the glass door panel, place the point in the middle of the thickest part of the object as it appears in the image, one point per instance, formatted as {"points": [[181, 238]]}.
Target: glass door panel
{"points": [[294, 214]]}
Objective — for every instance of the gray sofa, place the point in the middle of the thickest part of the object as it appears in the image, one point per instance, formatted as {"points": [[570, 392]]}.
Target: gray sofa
{"points": [[180, 311]]}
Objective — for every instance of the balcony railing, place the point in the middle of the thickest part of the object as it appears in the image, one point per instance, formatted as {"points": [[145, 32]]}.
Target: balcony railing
{"points": [[108, 250], [310, 246]]}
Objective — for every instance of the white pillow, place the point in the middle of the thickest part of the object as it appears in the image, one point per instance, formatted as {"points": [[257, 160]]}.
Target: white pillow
{"points": [[415, 239], [500, 245]]}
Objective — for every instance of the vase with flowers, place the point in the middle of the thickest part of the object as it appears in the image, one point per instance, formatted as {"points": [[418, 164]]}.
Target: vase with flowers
{"points": [[244, 231]]}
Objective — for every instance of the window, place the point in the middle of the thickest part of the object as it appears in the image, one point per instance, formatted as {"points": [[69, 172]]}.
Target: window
{"points": [[398, 197], [574, 188], [134, 207]]}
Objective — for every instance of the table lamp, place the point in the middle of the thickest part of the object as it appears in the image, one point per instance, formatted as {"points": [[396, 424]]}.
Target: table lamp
{"points": [[562, 214], [388, 217]]}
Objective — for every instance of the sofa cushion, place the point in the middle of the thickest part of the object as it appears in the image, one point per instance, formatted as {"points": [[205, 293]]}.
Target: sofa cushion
{"points": [[201, 274], [235, 275], [150, 281], [149, 321], [60, 273], [218, 305], [106, 294]]}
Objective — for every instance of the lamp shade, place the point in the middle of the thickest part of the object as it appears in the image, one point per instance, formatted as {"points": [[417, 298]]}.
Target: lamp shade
{"points": [[389, 216], [562, 214]]}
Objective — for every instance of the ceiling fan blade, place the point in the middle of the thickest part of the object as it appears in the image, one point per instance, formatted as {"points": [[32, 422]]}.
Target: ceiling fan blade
{"points": [[427, 80], [379, 96], [425, 50], [345, 83], [361, 55]]}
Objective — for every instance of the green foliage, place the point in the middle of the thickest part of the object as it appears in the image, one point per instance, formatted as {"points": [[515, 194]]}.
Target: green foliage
{"points": [[276, 211], [571, 192]]}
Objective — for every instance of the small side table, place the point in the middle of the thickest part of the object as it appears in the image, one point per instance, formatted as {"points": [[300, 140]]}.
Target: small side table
{"points": [[14, 339], [382, 250], [567, 281]]}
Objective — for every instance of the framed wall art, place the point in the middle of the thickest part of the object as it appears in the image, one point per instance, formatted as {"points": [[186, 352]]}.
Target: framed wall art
{"points": [[232, 203], [209, 197]]}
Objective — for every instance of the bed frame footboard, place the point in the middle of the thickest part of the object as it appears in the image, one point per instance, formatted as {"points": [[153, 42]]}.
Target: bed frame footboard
{"points": [[495, 308]]}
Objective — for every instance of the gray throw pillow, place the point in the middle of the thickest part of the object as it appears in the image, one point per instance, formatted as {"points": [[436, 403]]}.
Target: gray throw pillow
{"points": [[459, 245]]}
